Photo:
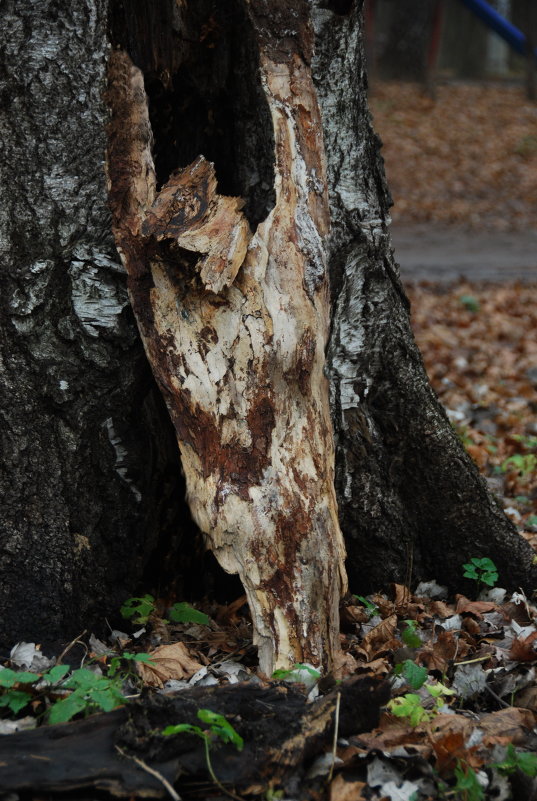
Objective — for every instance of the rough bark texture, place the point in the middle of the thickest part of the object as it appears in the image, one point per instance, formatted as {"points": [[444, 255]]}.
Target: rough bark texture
{"points": [[283, 735], [84, 473], [411, 502], [235, 325]]}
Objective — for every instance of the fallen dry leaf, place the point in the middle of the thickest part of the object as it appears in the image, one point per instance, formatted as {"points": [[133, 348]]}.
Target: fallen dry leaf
{"points": [[442, 609], [477, 608], [527, 698], [449, 748], [344, 665], [439, 654], [343, 790], [394, 733], [168, 662], [377, 638], [512, 722], [524, 650]]}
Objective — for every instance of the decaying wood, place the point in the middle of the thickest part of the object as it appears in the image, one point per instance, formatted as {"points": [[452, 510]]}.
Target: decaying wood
{"points": [[282, 734], [235, 326]]}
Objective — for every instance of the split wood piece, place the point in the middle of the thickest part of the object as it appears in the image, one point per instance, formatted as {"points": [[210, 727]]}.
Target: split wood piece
{"points": [[241, 367], [282, 734], [189, 212]]}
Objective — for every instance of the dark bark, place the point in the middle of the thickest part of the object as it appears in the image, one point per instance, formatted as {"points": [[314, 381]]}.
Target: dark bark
{"points": [[282, 736], [87, 456], [412, 504]]}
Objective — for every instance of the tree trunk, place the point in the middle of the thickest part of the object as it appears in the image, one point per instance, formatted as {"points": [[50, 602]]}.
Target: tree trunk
{"points": [[86, 472], [411, 502], [231, 298]]}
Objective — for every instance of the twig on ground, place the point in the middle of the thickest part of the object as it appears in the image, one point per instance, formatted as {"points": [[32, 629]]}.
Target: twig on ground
{"points": [[334, 744], [143, 766], [70, 645]]}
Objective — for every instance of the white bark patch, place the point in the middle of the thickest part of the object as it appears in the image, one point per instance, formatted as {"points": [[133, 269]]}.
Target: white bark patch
{"points": [[96, 303], [121, 464]]}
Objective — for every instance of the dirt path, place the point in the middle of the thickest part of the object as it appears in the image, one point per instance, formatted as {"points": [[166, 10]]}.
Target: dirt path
{"points": [[428, 251]]}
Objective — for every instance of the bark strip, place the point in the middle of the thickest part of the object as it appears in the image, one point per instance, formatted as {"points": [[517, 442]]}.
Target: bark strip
{"points": [[235, 326]]}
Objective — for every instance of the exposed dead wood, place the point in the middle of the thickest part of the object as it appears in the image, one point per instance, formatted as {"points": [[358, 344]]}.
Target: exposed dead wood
{"points": [[235, 326], [282, 735]]}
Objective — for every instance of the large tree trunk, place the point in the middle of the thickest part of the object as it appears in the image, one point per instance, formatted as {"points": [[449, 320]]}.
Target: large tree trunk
{"points": [[232, 302], [86, 471]]}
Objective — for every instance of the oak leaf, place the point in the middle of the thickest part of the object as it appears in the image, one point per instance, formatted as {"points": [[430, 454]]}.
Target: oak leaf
{"points": [[168, 662]]}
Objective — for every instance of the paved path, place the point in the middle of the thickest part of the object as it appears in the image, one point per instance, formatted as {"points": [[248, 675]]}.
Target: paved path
{"points": [[434, 253]]}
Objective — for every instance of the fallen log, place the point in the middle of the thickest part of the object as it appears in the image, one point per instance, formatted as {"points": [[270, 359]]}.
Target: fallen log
{"points": [[282, 736]]}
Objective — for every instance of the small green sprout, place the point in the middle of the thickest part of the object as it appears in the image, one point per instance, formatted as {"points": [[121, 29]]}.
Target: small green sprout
{"points": [[219, 727], [89, 691], [410, 635], [139, 610], [117, 667], [484, 571], [184, 613], [371, 608], [467, 786], [414, 675], [16, 699], [517, 760], [525, 464], [410, 705], [299, 674], [470, 302]]}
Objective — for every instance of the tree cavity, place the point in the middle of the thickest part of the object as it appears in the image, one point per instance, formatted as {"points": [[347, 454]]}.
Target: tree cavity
{"points": [[200, 67]]}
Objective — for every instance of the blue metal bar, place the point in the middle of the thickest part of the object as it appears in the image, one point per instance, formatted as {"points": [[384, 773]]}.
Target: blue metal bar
{"points": [[508, 32]]}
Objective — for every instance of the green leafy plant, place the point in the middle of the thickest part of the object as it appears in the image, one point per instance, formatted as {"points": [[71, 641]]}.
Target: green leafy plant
{"points": [[470, 302], [293, 674], [467, 786], [517, 760], [118, 669], [410, 705], [184, 613], [138, 610], [371, 608], [220, 728], [527, 442], [89, 692], [484, 571], [524, 463], [414, 675], [410, 635], [15, 699]]}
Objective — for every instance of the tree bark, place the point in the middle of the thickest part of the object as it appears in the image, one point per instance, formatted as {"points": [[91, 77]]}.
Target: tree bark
{"points": [[412, 504], [236, 337], [86, 471]]}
